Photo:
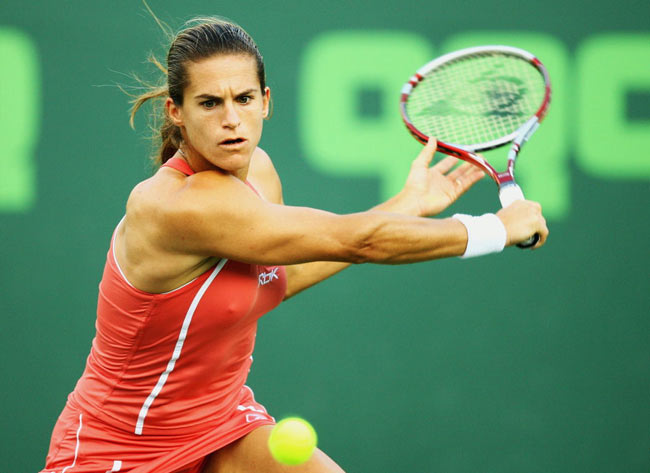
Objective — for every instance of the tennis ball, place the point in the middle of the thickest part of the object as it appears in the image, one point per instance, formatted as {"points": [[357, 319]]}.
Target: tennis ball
{"points": [[292, 441]]}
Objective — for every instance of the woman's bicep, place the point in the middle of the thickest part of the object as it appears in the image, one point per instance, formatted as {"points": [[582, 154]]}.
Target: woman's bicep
{"points": [[239, 225]]}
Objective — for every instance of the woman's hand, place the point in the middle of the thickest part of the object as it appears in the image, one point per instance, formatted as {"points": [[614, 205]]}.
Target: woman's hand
{"points": [[522, 219], [430, 190]]}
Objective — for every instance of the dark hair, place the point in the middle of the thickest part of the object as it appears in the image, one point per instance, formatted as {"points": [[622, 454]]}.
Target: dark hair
{"points": [[200, 39]]}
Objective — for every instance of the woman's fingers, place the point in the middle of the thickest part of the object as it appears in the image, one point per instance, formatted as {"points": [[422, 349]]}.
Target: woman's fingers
{"points": [[465, 175], [445, 165], [426, 155]]}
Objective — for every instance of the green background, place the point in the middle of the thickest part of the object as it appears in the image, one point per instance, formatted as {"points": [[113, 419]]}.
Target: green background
{"points": [[517, 362]]}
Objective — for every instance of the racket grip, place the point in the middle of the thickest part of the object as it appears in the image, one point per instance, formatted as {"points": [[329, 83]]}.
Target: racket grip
{"points": [[509, 193], [532, 241]]}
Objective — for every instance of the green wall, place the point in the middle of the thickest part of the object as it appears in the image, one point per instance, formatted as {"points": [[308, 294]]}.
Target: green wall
{"points": [[415, 368]]}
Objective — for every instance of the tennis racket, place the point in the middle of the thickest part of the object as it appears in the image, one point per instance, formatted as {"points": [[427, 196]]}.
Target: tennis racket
{"points": [[478, 99]]}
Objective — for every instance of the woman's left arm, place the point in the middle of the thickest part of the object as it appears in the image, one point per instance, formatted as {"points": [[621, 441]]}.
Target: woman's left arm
{"points": [[428, 191]]}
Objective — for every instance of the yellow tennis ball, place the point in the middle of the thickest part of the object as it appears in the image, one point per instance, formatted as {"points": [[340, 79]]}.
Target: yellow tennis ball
{"points": [[292, 441]]}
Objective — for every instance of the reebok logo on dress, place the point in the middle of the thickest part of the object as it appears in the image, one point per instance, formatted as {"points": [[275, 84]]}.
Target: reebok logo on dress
{"points": [[267, 277]]}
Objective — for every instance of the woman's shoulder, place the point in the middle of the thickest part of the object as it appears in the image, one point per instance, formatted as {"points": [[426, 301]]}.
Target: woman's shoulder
{"points": [[170, 204], [152, 201], [170, 193], [149, 194], [169, 188]]}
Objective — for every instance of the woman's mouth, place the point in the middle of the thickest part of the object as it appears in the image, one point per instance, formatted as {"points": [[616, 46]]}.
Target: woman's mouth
{"points": [[232, 142]]}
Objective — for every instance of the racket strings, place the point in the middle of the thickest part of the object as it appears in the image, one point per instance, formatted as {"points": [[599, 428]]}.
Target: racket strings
{"points": [[476, 99]]}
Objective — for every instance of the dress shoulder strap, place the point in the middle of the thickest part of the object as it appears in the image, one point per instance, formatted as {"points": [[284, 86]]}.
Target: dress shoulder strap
{"points": [[180, 165]]}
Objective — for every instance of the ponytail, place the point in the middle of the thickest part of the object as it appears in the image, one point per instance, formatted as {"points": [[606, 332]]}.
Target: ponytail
{"points": [[165, 133]]}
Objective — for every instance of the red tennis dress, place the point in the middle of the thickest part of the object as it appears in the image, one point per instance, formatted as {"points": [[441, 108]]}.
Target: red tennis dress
{"points": [[164, 382]]}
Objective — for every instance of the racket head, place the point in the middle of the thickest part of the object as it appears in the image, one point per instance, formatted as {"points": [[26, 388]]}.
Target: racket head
{"points": [[475, 99]]}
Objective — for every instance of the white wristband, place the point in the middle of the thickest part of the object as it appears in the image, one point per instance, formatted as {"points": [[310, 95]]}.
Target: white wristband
{"points": [[485, 234]]}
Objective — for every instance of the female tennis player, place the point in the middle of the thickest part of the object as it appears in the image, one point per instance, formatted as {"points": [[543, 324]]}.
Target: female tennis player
{"points": [[205, 249]]}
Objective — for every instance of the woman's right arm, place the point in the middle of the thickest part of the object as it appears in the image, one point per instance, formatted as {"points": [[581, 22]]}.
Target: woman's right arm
{"points": [[216, 214]]}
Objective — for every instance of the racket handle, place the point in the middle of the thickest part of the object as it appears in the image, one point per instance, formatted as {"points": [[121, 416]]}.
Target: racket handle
{"points": [[532, 241], [508, 193]]}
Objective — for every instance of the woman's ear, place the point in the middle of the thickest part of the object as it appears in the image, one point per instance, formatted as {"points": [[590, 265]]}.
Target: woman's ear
{"points": [[174, 112], [267, 102]]}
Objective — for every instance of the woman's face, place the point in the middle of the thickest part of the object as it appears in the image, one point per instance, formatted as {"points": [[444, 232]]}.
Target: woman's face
{"points": [[222, 113]]}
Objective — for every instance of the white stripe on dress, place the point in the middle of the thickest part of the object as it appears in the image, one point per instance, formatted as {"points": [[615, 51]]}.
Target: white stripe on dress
{"points": [[179, 346], [76, 448], [117, 466]]}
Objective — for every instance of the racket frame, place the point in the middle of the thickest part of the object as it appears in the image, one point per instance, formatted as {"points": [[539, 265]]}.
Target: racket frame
{"points": [[468, 152]]}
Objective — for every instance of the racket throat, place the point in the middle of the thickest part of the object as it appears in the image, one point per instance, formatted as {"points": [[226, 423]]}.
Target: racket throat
{"points": [[525, 133], [505, 178]]}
